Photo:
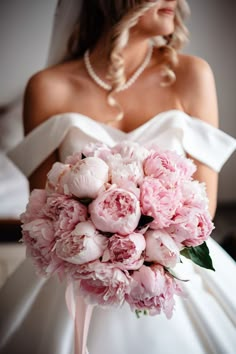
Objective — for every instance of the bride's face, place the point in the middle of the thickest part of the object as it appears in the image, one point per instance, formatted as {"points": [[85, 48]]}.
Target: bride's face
{"points": [[159, 20]]}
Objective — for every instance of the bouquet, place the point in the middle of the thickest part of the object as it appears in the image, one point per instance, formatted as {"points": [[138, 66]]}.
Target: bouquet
{"points": [[115, 222]]}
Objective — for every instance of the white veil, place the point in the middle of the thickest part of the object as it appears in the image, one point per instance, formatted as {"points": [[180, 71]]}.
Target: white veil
{"points": [[65, 18]]}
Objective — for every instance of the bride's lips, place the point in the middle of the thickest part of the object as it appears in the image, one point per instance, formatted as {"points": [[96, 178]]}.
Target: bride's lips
{"points": [[166, 11]]}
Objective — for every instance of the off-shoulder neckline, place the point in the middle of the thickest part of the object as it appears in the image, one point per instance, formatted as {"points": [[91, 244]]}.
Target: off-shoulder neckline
{"points": [[117, 130], [191, 132]]}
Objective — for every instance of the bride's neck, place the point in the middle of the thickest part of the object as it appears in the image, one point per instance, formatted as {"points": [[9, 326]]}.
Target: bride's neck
{"points": [[133, 54]]}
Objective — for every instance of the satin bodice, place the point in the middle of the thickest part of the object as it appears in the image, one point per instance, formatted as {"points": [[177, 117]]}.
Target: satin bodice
{"points": [[173, 129]]}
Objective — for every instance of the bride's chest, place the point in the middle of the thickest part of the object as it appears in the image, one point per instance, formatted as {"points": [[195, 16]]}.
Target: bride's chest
{"points": [[136, 106]]}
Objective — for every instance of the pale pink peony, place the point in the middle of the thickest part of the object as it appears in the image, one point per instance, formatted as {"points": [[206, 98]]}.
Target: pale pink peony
{"points": [[84, 244], [123, 170], [41, 258], [161, 248], [191, 226], [153, 289], [65, 212], [105, 285], [168, 166], [73, 159], [130, 151], [126, 251], [87, 177], [34, 208], [115, 210], [57, 178], [39, 238], [129, 186], [194, 194], [159, 202], [42, 231], [99, 149]]}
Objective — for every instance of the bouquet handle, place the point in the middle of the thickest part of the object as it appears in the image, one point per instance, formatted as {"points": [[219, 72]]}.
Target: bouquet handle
{"points": [[81, 313]]}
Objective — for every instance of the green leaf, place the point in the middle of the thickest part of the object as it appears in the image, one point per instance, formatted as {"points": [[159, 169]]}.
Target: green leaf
{"points": [[185, 253], [199, 255], [139, 313]]}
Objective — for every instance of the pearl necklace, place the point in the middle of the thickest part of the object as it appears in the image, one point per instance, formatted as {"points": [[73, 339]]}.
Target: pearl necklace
{"points": [[128, 83]]}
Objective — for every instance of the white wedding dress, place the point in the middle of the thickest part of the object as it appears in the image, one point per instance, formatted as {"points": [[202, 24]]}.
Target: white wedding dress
{"points": [[34, 318]]}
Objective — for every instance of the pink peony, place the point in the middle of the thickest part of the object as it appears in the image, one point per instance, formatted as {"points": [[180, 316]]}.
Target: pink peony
{"points": [[84, 244], [159, 202], [73, 159], [168, 166], [42, 231], [161, 248], [191, 226], [39, 238], [128, 186], [126, 163], [153, 289], [123, 171], [34, 207], [100, 150], [194, 194], [57, 178], [130, 151], [87, 177], [126, 251], [65, 212], [41, 259], [115, 210], [103, 283]]}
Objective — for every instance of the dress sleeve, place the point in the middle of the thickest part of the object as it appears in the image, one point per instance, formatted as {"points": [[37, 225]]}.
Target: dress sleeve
{"points": [[48, 136], [206, 143]]}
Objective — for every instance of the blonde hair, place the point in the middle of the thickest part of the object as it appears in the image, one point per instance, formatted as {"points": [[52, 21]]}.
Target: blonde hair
{"points": [[167, 48]]}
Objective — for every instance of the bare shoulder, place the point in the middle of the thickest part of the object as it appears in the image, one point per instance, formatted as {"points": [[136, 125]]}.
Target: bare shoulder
{"points": [[196, 87], [47, 94], [193, 64], [194, 71]]}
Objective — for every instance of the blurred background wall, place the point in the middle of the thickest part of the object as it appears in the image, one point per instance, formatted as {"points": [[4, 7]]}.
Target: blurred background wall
{"points": [[25, 30], [213, 37]]}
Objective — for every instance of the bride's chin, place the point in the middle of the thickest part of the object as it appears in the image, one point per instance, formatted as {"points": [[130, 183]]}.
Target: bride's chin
{"points": [[165, 31], [166, 27], [155, 28]]}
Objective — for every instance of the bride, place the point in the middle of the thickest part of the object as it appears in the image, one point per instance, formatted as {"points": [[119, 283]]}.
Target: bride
{"points": [[124, 79]]}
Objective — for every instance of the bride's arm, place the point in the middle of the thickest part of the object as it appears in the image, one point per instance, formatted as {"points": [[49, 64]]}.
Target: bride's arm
{"points": [[199, 98], [41, 101]]}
